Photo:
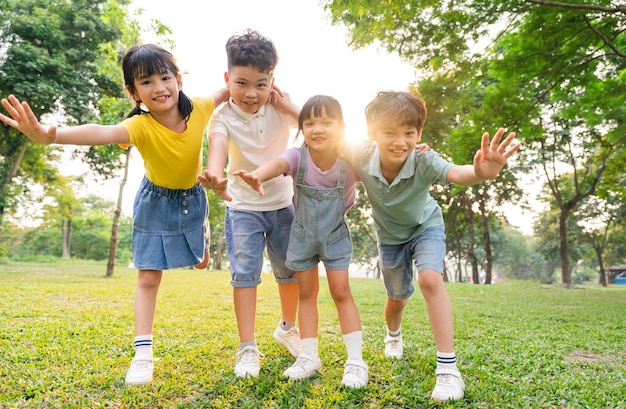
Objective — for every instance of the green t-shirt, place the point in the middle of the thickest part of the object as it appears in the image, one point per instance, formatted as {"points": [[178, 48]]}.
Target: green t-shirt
{"points": [[404, 208]]}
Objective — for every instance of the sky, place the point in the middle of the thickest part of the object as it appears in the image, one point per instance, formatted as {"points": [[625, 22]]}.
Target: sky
{"points": [[314, 58]]}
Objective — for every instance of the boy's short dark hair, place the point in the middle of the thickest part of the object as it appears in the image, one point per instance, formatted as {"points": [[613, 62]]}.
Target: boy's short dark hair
{"points": [[251, 49], [398, 107]]}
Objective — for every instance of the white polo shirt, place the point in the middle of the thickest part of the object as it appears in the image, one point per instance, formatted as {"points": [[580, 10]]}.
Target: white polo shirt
{"points": [[254, 139]]}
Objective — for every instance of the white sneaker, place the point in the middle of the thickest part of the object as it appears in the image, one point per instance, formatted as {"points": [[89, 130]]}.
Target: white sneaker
{"points": [[355, 374], [290, 339], [393, 346], [449, 386], [305, 366], [140, 372], [247, 362]]}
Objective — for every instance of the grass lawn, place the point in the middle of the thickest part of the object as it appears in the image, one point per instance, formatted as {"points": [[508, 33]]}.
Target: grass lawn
{"points": [[66, 342]]}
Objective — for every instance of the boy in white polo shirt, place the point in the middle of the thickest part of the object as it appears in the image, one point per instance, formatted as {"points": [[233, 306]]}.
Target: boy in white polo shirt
{"points": [[251, 129], [409, 222]]}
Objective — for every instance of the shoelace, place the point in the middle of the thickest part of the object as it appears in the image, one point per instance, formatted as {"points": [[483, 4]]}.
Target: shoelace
{"points": [[248, 356], [394, 344], [355, 369], [447, 380], [141, 364]]}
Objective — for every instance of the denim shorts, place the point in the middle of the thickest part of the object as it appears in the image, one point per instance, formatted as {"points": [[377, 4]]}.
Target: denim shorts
{"points": [[427, 251], [250, 232], [170, 227]]}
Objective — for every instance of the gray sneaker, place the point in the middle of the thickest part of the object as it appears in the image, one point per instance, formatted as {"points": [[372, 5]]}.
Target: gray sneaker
{"points": [[247, 362]]}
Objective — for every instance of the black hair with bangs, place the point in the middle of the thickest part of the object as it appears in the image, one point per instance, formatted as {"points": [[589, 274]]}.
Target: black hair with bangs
{"points": [[316, 106], [148, 59]]}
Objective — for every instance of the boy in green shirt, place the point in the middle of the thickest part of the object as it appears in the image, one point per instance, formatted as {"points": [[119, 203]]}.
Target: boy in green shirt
{"points": [[409, 222]]}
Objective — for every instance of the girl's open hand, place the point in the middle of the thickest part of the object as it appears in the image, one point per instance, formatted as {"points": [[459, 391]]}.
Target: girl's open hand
{"points": [[250, 179], [23, 119]]}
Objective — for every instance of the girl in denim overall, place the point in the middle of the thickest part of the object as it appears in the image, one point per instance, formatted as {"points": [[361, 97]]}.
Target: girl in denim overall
{"points": [[324, 192]]}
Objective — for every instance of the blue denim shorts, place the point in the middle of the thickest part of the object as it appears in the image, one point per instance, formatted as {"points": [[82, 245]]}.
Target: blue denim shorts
{"points": [[427, 251], [248, 234], [170, 227]]}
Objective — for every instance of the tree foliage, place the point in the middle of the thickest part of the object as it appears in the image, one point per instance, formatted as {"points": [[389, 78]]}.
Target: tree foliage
{"points": [[58, 56], [553, 71]]}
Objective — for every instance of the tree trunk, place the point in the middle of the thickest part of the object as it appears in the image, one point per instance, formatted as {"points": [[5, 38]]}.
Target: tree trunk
{"points": [[488, 264], [11, 174], [217, 260], [66, 230], [116, 217], [603, 278], [471, 255], [566, 270]]}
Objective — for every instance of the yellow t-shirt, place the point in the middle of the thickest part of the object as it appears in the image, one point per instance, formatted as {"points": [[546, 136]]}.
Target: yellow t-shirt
{"points": [[172, 160]]}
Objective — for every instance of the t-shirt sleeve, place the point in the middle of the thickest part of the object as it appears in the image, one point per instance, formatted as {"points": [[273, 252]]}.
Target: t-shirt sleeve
{"points": [[217, 124], [292, 156], [432, 167]]}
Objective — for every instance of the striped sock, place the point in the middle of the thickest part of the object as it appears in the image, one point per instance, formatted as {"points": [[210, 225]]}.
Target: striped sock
{"points": [[143, 347], [446, 360]]}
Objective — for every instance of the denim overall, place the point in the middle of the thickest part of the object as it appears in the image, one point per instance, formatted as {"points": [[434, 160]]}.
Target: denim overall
{"points": [[319, 231]]}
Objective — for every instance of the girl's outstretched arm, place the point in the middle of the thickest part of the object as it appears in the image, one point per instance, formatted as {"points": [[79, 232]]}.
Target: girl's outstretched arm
{"points": [[264, 172], [24, 120]]}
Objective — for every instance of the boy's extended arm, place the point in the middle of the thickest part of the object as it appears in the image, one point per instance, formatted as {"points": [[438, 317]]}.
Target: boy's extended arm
{"points": [[24, 120], [267, 171], [213, 177], [488, 161]]}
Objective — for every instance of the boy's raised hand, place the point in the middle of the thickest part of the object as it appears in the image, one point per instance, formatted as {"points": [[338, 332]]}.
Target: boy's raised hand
{"points": [[492, 156], [251, 179], [23, 119], [216, 183]]}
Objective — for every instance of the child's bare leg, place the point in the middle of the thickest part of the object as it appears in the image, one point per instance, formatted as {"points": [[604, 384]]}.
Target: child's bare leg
{"points": [[393, 313], [308, 289], [439, 309], [245, 312], [148, 282], [339, 285], [288, 301]]}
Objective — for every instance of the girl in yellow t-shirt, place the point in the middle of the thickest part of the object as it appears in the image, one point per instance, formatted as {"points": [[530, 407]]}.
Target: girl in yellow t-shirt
{"points": [[170, 226]]}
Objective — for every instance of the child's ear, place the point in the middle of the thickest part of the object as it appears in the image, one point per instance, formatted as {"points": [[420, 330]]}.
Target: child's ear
{"points": [[419, 135], [226, 79]]}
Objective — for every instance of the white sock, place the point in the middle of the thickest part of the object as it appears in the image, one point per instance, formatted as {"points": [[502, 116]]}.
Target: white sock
{"points": [[354, 345], [309, 346], [446, 360], [143, 347]]}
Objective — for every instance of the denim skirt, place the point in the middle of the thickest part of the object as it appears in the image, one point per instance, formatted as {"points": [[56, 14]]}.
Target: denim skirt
{"points": [[170, 227]]}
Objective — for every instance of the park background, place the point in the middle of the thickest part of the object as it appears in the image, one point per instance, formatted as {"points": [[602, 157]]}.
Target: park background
{"points": [[549, 334]]}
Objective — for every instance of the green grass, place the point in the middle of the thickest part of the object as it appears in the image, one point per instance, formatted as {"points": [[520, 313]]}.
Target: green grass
{"points": [[66, 342]]}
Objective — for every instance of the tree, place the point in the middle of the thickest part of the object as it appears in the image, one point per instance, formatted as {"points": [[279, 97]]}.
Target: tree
{"points": [[53, 54], [564, 89], [61, 213]]}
